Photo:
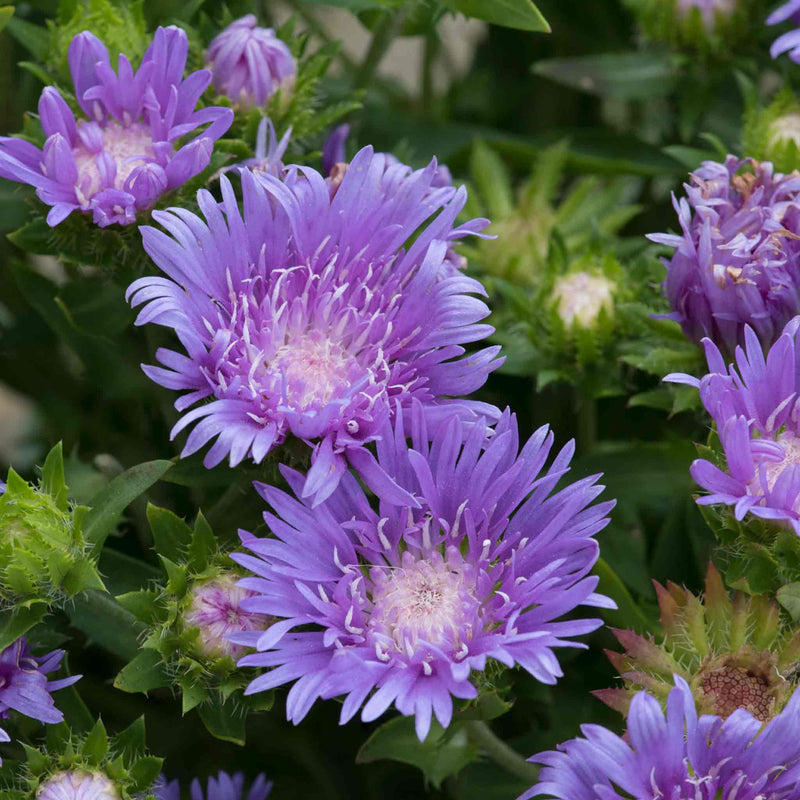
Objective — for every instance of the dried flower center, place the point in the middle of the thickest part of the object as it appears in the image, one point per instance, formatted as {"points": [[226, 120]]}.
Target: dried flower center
{"points": [[734, 687], [581, 296], [78, 785], [129, 147], [215, 610], [423, 601]]}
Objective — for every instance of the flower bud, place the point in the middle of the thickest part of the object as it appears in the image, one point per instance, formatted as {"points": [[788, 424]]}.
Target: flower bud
{"points": [[773, 133], [249, 64], [581, 297], [78, 785]]}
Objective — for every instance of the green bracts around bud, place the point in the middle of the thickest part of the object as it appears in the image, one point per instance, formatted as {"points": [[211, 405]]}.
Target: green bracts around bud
{"points": [[773, 133], [91, 767], [732, 650], [43, 553]]}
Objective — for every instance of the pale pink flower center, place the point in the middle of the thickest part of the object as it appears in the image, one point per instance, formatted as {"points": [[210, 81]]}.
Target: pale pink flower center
{"points": [[130, 147], [791, 447], [581, 296], [78, 785]]}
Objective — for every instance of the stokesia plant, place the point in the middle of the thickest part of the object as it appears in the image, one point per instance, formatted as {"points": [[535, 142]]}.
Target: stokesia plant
{"points": [[354, 488]]}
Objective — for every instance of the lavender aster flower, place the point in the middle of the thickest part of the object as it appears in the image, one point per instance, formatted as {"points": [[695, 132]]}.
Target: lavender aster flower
{"points": [[401, 606], [24, 687], [307, 315], [755, 409], [250, 64], [223, 787], [121, 159], [738, 260], [678, 756], [78, 785], [788, 42]]}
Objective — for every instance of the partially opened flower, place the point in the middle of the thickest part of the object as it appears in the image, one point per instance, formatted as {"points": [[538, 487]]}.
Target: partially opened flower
{"points": [[24, 687], [128, 152], [79, 785], [755, 409], [678, 756], [311, 315], [737, 261], [223, 787], [250, 64], [470, 558]]}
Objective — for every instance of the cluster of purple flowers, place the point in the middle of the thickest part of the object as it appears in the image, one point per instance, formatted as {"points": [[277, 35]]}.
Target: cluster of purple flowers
{"points": [[223, 787], [678, 756], [737, 261]]}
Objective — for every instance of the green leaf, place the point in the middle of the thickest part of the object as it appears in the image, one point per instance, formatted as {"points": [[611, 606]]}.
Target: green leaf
{"points": [[32, 37], [176, 576], [144, 772], [141, 603], [17, 623], [488, 705], [76, 713], [521, 14], [96, 745], [35, 760], [106, 623], [53, 481], [6, 12], [82, 576], [131, 742], [224, 721], [443, 753], [192, 695], [203, 544], [171, 534], [629, 76], [122, 573], [145, 672], [113, 499], [789, 598], [628, 613]]}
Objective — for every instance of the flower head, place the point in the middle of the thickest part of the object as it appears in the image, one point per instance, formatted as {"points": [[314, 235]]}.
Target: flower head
{"points": [[126, 153], [311, 315], [756, 415], [738, 260], [223, 787], [215, 609], [709, 10], [469, 559], [678, 756], [249, 64], [581, 297], [24, 687], [78, 785]]}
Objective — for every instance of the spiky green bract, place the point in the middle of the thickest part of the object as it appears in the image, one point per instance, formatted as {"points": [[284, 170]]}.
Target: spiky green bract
{"points": [[184, 648], [701, 27], [734, 651], [120, 761], [541, 215], [119, 25], [44, 558], [773, 133]]}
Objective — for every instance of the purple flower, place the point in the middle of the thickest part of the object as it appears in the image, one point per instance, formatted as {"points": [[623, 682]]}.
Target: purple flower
{"points": [[312, 316], [469, 558], [78, 785], [755, 409], [24, 687], [738, 260], [269, 151], [223, 787], [678, 756], [216, 610], [121, 159], [788, 42], [249, 64]]}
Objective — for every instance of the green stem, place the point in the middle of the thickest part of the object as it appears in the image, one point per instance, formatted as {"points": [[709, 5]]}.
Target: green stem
{"points": [[385, 29], [504, 756]]}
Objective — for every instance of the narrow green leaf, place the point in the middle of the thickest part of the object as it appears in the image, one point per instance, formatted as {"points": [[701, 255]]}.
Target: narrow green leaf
{"points": [[6, 12], [53, 481], [224, 721], [176, 576], [33, 38], [76, 713], [628, 613], [96, 745], [443, 753], [144, 673], [113, 499], [170, 533], [106, 623], [203, 544], [521, 14], [122, 573], [17, 623]]}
